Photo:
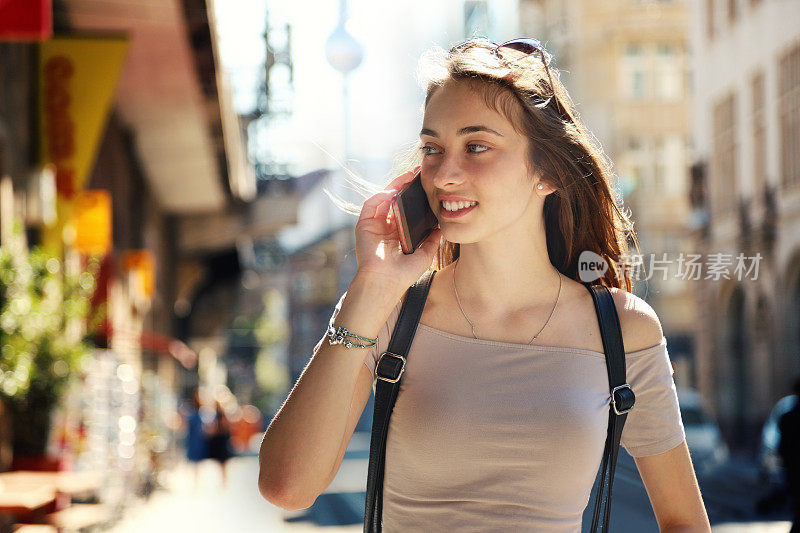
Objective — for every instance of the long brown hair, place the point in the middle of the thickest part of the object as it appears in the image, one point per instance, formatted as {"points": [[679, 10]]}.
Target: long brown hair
{"points": [[583, 212]]}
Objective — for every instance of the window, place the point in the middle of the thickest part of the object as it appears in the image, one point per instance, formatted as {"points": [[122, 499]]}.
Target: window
{"points": [[669, 164], [668, 73], [633, 79], [652, 72], [723, 168], [759, 132], [789, 113], [637, 84], [635, 164]]}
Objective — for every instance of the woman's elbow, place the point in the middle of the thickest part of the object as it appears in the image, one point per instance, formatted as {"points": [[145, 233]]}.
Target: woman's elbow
{"points": [[281, 494]]}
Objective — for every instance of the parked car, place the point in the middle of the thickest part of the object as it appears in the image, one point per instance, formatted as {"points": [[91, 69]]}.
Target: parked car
{"points": [[703, 437], [770, 468]]}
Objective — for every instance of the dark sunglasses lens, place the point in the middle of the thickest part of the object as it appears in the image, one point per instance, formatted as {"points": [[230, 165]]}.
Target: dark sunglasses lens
{"points": [[517, 50], [522, 46]]}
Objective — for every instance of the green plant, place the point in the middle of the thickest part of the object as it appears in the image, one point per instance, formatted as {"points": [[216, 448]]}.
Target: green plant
{"points": [[45, 321]]}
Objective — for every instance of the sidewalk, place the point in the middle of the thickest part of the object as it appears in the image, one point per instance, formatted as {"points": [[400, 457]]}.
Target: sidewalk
{"points": [[752, 527], [211, 508]]}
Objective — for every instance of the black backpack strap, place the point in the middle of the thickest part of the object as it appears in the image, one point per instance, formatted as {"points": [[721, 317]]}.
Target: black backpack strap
{"points": [[389, 374], [622, 397]]}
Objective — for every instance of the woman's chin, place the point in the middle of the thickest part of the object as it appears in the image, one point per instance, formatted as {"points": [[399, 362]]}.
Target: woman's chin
{"points": [[458, 237]]}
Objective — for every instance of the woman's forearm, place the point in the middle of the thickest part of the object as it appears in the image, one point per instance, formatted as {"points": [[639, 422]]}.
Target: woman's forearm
{"points": [[302, 443]]}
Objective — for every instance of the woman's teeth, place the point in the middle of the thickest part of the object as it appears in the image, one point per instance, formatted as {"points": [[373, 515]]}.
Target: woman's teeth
{"points": [[455, 206]]}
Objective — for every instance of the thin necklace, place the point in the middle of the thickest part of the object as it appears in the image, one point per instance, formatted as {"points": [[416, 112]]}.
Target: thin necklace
{"points": [[458, 300]]}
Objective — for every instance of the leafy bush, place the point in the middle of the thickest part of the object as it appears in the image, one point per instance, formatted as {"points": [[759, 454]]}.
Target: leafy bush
{"points": [[45, 320]]}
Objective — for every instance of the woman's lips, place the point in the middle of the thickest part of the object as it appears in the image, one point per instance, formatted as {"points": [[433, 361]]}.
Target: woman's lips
{"points": [[444, 213]]}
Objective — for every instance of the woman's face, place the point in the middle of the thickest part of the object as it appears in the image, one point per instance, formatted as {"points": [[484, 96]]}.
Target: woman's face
{"points": [[472, 154]]}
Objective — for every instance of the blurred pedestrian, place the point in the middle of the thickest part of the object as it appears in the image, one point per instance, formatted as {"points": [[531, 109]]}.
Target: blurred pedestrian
{"points": [[789, 452], [196, 440], [219, 441]]}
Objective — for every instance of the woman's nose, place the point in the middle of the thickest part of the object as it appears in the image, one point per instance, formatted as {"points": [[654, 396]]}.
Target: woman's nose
{"points": [[448, 173]]}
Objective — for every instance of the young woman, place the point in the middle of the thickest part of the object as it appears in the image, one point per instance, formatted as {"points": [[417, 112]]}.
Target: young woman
{"points": [[501, 418]]}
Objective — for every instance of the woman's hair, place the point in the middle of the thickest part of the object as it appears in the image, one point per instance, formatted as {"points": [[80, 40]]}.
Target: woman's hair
{"points": [[582, 213]]}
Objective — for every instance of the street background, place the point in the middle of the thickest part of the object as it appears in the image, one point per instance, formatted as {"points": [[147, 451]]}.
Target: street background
{"points": [[169, 256]]}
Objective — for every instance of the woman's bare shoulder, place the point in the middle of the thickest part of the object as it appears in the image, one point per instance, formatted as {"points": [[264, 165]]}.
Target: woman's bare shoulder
{"points": [[641, 327]]}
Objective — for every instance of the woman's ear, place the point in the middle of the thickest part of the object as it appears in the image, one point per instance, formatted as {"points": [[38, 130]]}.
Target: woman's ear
{"points": [[543, 188], [540, 186]]}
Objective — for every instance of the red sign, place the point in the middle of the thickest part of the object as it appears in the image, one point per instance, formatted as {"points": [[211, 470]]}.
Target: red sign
{"points": [[26, 20], [58, 72]]}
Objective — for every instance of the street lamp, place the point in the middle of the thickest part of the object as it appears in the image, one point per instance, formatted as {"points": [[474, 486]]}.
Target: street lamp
{"points": [[344, 54]]}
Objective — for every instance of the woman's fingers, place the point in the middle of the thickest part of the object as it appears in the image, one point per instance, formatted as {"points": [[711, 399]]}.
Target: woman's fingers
{"points": [[376, 205], [377, 226], [382, 212], [371, 204]]}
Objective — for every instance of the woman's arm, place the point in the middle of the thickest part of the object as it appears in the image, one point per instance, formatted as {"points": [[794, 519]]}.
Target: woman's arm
{"points": [[305, 442], [673, 490], [669, 476], [302, 445]]}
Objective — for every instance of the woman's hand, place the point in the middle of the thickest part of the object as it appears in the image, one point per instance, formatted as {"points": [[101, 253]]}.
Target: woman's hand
{"points": [[378, 242]]}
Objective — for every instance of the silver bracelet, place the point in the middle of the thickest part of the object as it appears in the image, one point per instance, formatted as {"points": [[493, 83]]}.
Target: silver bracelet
{"points": [[338, 335]]}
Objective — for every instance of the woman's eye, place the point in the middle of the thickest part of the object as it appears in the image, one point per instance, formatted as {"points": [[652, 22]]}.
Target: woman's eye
{"points": [[481, 147], [425, 149], [471, 148]]}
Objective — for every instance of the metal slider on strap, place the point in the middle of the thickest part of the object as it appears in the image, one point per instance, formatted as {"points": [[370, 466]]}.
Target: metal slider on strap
{"points": [[390, 369], [622, 399]]}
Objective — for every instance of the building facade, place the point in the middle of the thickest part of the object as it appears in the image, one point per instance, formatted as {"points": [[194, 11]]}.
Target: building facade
{"points": [[746, 200]]}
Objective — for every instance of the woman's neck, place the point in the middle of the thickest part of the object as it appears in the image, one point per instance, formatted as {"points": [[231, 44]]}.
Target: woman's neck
{"points": [[498, 279]]}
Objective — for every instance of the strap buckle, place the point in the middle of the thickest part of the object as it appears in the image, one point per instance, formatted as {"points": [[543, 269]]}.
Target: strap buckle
{"points": [[390, 369], [622, 399]]}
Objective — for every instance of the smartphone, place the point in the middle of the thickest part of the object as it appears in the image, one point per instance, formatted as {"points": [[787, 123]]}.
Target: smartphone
{"points": [[413, 215]]}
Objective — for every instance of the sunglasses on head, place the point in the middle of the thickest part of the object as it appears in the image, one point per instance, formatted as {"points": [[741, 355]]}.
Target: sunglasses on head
{"points": [[514, 50]]}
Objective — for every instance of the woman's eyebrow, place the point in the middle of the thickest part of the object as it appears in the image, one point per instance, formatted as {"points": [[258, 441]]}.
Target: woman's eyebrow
{"points": [[463, 131]]}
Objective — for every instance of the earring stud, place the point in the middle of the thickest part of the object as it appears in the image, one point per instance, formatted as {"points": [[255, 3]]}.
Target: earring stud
{"points": [[540, 186]]}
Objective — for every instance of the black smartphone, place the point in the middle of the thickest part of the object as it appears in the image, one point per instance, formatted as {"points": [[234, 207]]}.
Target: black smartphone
{"points": [[413, 215]]}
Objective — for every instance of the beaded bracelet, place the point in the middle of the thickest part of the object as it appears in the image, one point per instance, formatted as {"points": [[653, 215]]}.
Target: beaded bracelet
{"points": [[337, 335]]}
